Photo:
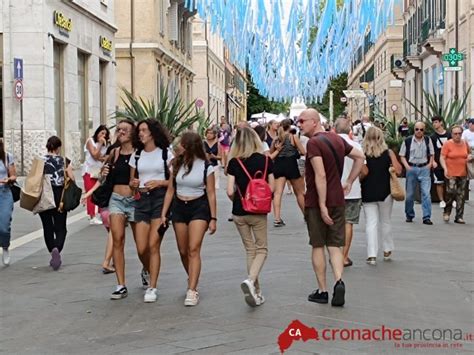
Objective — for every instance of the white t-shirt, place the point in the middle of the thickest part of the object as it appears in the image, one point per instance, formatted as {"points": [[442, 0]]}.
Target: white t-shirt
{"points": [[468, 136], [359, 132], [348, 162], [304, 141], [192, 185], [151, 165], [90, 164]]}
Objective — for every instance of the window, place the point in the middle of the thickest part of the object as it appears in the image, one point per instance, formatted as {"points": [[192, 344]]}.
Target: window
{"points": [[159, 83], [102, 92], [58, 80], [164, 4], [82, 99], [384, 60]]}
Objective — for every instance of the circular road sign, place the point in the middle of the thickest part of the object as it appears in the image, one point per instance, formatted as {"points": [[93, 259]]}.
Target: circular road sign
{"points": [[343, 99], [394, 107], [19, 90], [199, 103]]}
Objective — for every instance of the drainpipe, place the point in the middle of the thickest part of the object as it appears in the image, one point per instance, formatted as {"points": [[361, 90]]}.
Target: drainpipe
{"points": [[207, 71], [456, 43], [132, 40]]}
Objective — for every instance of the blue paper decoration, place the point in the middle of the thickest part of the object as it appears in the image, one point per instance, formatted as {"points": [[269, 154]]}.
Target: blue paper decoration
{"points": [[281, 59]]}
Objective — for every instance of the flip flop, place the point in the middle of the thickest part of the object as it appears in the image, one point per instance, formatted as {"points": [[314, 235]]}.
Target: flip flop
{"points": [[106, 270], [349, 263]]}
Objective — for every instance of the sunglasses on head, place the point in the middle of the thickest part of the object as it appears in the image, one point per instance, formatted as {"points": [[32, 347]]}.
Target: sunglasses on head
{"points": [[419, 129]]}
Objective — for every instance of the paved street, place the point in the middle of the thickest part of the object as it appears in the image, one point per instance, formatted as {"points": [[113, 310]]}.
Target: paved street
{"points": [[429, 284]]}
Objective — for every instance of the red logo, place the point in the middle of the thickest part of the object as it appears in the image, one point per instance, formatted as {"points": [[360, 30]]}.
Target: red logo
{"points": [[296, 331]]}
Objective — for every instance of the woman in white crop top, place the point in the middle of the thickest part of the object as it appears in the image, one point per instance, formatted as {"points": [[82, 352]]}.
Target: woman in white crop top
{"points": [[192, 197], [149, 176]]}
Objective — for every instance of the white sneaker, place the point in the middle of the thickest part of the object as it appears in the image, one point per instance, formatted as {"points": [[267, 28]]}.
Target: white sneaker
{"points": [[6, 257], [260, 299], [248, 288], [192, 298], [95, 221], [442, 204], [151, 294]]}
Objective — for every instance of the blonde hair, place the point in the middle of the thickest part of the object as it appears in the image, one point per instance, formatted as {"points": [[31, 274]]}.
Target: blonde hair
{"points": [[283, 130], [245, 143], [374, 143]]}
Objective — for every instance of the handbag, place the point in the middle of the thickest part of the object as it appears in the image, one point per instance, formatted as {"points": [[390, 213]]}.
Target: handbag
{"points": [[101, 196], [396, 189], [46, 201], [71, 196], [31, 191], [15, 188]]}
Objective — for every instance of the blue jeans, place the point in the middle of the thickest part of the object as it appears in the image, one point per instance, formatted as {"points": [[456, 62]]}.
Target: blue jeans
{"points": [[6, 211], [422, 177]]}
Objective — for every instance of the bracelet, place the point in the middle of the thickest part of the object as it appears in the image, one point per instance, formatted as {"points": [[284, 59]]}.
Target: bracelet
{"points": [[213, 219]]}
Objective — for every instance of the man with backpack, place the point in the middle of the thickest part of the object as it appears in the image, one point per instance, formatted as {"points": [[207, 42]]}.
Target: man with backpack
{"points": [[417, 154], [324, 201]]}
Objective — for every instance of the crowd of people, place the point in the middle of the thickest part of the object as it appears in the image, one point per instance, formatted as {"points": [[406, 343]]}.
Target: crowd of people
{"points": [[154, 181]]}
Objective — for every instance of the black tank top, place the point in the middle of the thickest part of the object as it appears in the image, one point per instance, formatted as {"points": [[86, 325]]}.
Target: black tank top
{"points": [[212, 150], [121, 170], [376, 186]]}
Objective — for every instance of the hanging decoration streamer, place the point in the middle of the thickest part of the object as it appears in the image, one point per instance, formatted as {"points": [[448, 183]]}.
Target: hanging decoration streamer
{"points": [[293, 48]]}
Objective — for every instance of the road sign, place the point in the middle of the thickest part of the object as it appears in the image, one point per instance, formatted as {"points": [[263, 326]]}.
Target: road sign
{"points": [[18, 68], [199, 103], [452, 68], [19, 90], [453, 57], [343, 99], [394, 107]]}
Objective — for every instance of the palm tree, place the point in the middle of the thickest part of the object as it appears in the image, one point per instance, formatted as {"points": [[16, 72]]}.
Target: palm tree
{"points": [[174, 114]]}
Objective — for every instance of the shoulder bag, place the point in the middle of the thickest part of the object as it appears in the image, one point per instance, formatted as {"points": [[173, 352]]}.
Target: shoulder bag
{"points": [[396, 189], [71, 196]]}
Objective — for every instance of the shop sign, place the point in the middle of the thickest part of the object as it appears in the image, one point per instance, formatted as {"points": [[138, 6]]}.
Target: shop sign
{"points": [[64, 23], [105, 44]]}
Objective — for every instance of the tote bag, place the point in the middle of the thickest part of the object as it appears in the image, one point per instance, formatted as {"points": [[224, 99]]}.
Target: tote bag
{"points": [[396, 189], [46, 201], [31, 191]]}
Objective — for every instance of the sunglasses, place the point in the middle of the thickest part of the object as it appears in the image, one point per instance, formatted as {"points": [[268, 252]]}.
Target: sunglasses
{"points": [[456, 133], [302, 120], [419, 129]]}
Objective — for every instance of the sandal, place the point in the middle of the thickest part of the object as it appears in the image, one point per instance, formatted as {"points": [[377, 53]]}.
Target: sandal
{"points": [[387, 255], [107, 270], [349, 263]]}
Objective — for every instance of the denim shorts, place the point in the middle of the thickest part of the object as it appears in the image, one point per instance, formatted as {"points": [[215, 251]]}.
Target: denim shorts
{"points": [[123, 205], [187, 211], [149, 206]]}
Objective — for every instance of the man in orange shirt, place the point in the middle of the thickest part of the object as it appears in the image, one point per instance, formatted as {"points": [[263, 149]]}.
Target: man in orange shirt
{"points": [[454, 155]]}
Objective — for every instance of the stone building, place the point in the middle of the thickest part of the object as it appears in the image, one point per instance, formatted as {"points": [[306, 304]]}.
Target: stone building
{"points": [[208, 64], [154, 48], [236, 91], [370, 72], [431, 29], [68, 73]]}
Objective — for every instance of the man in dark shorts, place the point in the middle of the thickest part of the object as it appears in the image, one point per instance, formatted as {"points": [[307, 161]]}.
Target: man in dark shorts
{"points": [[324, 201]]}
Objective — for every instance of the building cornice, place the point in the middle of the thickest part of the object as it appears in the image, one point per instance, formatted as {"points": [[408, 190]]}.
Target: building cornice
{"points": [[84, 11]]}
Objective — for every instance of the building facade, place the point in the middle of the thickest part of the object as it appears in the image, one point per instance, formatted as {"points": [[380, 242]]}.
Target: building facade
{"points": [[67, 70], [154, 49], [431, 29], [208, 64], [236, 91], [370, 72]]}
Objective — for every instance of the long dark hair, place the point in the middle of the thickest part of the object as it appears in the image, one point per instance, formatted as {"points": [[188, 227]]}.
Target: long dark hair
{"points": [[159, 133], [100, 129], [193, 148], [3, 155]]}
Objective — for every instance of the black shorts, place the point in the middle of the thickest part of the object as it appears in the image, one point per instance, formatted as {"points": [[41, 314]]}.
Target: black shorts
{"points": [[286, 167], [149, 205], [187, 211], [438, 176]]}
